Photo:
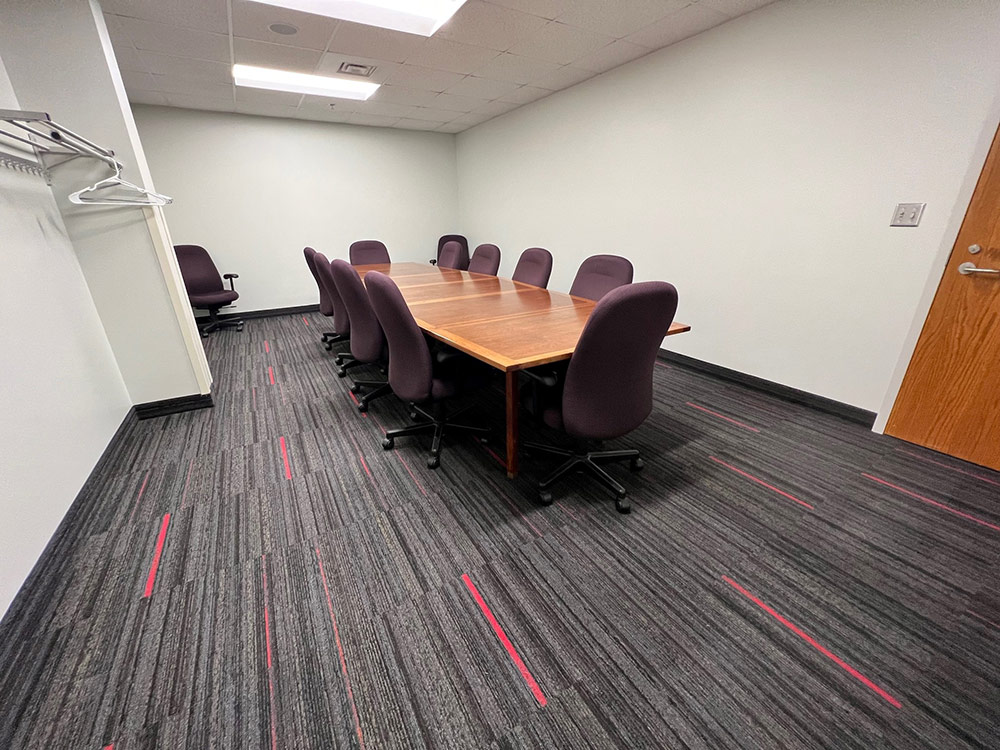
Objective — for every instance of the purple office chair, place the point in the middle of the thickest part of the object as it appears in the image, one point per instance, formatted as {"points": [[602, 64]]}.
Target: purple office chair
{"points": [[453, 256], [599, 274], [325, 304], [205, 288], [485, 260], [463, 258], [608, 387], [414, 374], [367, 339], [534, 267], [341, 318], [368, 253]]}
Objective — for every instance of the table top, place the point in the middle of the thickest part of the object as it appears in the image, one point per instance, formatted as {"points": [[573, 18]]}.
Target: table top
{"points": [[504, 323]]}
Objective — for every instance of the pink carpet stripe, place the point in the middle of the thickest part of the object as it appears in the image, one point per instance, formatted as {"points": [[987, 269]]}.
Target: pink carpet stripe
{"points": [[142, 489], [186, 483], [151, 578], [284, 457], [364, 463], [340, 651], [267, 642], [270, 374], [935, 503], [410, 472], [812, 642], [980, 617], [110, 747], [567, 511], [358, 403], [267, 347], [511, 651], [761, 482], [722, 416], [972, 474], [485, 447], [305, 321]]}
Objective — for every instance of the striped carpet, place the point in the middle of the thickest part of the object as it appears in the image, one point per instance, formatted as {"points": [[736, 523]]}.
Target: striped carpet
{"points": [[262, 575]]}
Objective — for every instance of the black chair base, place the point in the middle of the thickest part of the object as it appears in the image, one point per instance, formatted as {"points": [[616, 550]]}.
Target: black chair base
{"points": [[215, 323], [439, 423], [330, 338], [589, 462], [380, 388]]}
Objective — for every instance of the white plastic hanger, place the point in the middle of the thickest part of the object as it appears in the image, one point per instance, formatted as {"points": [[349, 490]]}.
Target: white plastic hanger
{"points": [[144, 197]]}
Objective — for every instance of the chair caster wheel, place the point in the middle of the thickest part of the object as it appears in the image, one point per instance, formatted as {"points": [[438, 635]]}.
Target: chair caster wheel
{"points": [[328, 346], [545, 497], [413, 416], [355, 388], [362, 407], [622, 505], [341, 373], [387, 443], [433, 462], [637, 464], [339, 359]]}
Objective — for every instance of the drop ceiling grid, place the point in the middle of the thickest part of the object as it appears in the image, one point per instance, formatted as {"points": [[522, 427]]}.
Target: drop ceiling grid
{"points": [[491, 57]]}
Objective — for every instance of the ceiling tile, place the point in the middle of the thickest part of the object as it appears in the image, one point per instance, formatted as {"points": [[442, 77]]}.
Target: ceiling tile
{"points": [[126, 55], [490, 26], [457, 103], [563, 78], [418, 77], [371, 41], [409, 124], [548, 9], [323, 104], [266, 55], [404, 95], [429, 113], [483, 88], [678, 25], [452, 127], [516, 68], [197, 101], [205, 15], [330, 64], [186, 67], [525, 94], [174, 40], [444, 54], [251, 21], [378, 121], [330, 115], [467, 121], [493, 109], [147, 97], [194, 86], [250, 96], [266, 110], [559, 43], [617, 53], [386, 109], [733, 8], [618, 18], [137, 81]]}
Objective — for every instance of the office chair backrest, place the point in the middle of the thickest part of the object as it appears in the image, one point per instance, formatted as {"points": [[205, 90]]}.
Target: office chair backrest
{"points": [[341, 318], [367, 340], [461, 240], [599, 274], [609, 382], [534, 267], [453, 256], [410, 369], [325, 306], [486, 260], [197, 269], [368, 252]]}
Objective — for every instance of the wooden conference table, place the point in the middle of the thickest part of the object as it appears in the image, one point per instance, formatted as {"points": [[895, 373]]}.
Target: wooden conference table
{"points": [[506, 324]]}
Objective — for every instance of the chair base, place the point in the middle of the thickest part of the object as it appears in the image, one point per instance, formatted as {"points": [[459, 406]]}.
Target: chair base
{"points": [[439, 423], [215, 324], [380, 388], [330, 338], [589, 462]]}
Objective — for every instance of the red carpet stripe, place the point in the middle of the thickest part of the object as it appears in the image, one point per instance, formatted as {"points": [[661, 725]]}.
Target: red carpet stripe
{"points": [[410, 472], [812, 642], [270, 374], [935, 503], [980, 617], [267, 642], [267, 347], [305, 321], [762, 483], [489, 450], [151, 578], [364, 463], [567, 511], [723, 416], [340, 651], [980, 477], [511, 651], [284, 457], [142, 489], [358, 403], [110, 747]]}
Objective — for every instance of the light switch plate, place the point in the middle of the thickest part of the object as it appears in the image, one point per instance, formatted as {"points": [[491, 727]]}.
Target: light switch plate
{"points": [[907, 214]]}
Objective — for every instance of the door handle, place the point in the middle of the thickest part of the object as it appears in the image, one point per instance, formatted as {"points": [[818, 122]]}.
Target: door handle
{"points": [[968, 268]]}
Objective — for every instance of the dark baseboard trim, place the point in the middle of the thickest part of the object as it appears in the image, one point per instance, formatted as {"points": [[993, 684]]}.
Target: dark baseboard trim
{"points": [[820, 403], [173, 405], [272, 313]]}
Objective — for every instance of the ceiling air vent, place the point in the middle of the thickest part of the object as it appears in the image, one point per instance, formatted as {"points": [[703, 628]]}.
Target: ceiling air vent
{"points": [[356, 69]]}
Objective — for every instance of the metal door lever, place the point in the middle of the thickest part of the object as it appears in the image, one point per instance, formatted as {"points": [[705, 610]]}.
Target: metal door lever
{"points": [[969, 268]]}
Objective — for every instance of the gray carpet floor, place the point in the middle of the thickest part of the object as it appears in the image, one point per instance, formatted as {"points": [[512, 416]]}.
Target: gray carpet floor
{"points": [[263, 575]]}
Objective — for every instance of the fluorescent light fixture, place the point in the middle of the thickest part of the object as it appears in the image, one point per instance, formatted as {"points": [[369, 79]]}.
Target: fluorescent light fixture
{"points": [[302, 83], [422, 17]]}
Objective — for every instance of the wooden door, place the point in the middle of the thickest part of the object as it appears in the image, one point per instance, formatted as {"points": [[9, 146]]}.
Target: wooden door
{"points": [[950, 397]]}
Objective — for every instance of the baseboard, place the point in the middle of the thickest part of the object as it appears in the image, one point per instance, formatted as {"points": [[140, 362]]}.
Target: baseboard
{"points": [[271, 313], [820, 403], [173, 405]]}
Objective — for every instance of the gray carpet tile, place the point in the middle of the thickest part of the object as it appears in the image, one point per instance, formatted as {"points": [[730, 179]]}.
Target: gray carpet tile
{"points": [[786, 579]]}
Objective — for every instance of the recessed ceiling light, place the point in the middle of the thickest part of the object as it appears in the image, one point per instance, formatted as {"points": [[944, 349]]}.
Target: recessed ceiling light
{"points": [[285, 29], [422, 17], [302, 83]]}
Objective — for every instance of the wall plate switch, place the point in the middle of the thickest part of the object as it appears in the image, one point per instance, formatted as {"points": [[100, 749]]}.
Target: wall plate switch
{"points": [[907, 214]]}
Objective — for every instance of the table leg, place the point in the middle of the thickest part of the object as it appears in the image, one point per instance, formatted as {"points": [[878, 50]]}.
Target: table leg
{"points": [[513, 406]]}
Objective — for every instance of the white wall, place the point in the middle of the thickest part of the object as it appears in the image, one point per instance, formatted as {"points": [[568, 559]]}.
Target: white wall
{"points": [[756, 167], [63, 396], [255, 190]]}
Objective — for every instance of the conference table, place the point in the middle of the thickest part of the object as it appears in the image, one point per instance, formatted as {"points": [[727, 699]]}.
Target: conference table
{"points": [[508, 325]]}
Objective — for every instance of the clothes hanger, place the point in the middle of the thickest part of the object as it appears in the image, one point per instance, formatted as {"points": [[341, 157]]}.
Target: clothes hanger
{"points": [[144, 198]]}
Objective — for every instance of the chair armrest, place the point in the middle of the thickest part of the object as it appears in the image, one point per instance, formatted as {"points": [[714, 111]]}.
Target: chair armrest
{"points": [[434, 261], [230, 277]]}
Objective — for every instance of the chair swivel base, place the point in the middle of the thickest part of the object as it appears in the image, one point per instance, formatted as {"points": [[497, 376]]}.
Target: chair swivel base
{"points": [[438, 424], [380, 389], [589, 462], [215, 323]]}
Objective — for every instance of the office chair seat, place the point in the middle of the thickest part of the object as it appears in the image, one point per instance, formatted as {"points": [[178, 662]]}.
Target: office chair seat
{"points": [[213, 298]]}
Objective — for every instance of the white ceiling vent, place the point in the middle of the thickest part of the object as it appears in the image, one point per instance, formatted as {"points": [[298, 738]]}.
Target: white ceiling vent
{"points": [[356, 69]]}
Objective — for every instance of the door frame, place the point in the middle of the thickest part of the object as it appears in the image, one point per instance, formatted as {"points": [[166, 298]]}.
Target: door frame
{"points": [[958, 211]]}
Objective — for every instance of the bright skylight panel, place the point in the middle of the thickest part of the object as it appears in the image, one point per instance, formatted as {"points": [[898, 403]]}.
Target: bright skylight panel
{"points": [[422, 17]]}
